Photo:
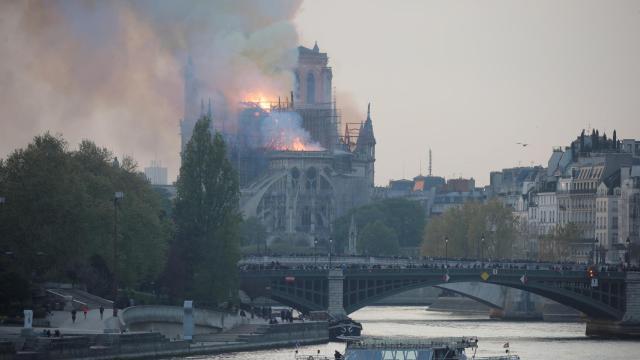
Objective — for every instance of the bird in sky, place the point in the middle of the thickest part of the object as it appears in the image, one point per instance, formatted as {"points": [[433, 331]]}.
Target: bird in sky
{"points": [[522, 144]]}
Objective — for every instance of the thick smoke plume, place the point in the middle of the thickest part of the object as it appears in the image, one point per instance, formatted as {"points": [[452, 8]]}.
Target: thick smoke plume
{"points": [[282, 130], [111, 71]]}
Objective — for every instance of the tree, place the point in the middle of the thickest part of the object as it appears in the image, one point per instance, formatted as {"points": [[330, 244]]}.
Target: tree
{"points": [[404, 217], [464, 227], [252, 232], [377, 239], [207, 219], [58, 220], [557, 245], [144, 229]]}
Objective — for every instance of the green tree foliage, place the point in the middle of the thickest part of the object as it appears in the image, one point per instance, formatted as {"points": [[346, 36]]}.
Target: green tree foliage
{"points": [[58, 218], [14, 293], [206, 248], [464, 227], [377, 239], [252, 232], [403, 217], [557, 245]]}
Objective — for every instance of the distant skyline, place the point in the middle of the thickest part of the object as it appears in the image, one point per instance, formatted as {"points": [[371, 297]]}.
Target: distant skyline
{"points": [[471, 79], [468, 79]]}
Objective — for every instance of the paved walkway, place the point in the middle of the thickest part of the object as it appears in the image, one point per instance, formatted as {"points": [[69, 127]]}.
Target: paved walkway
{"points": [[62, 320]]}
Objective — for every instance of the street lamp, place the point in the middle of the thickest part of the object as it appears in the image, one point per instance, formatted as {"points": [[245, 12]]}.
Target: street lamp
{"points": [[2, 201], [315, 251], [119, 195], [628, 252], [446, 248], [330, 247], [482, 251]]}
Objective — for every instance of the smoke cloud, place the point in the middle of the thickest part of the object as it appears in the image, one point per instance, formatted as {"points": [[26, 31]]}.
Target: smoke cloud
{"points": [[111, 71], [349, 110], [282, 130]]}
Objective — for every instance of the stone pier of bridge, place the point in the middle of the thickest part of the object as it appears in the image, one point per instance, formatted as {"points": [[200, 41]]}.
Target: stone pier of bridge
{"points": [[629, 326], [336, 290]]}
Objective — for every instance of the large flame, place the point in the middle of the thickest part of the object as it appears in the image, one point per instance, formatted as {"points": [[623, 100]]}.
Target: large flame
{"points": [[282, 130], [259, 99], [286, 142]]}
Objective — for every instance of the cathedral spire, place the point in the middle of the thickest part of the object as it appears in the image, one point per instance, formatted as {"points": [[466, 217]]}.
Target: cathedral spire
{"points": [[316, 48], [369, 111]]}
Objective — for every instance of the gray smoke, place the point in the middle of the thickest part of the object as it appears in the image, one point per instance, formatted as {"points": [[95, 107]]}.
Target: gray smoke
{"points": [[282, 130], [111, 71]]}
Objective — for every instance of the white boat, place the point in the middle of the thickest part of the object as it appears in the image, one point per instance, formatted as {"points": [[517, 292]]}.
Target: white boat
{"points": [[390, 349], [418, 349]]}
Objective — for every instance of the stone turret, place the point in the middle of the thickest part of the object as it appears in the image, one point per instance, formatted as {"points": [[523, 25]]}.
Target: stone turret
{"points": [[366, 144]]}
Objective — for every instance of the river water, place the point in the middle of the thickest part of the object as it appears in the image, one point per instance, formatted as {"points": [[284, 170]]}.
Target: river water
{"points": [[530, 340]]}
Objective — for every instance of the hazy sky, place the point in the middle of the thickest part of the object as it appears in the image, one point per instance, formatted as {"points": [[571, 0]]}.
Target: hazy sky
{"points": [[468, 79], [471, 78]]}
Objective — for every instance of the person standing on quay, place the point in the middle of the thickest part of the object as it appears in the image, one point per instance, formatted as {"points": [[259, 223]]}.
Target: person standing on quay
{"points": [[73, 316], [101, 311]]}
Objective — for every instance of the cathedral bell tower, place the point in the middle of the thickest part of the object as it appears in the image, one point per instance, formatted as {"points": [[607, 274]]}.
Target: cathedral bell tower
{"points": [[313, 79]]}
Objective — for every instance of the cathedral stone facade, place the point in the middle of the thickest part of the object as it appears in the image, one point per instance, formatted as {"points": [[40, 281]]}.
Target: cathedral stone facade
{"points": [[297, 194]]}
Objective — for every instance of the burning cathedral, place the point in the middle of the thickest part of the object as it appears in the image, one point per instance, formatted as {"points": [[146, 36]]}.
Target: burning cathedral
{"points": [[297, 172]]}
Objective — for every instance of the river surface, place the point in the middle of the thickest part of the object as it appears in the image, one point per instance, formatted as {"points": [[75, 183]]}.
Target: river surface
{"points": [[530, 340]]}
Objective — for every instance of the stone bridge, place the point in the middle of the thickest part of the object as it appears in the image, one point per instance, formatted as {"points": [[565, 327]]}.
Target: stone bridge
{"points": [[610, 299]]}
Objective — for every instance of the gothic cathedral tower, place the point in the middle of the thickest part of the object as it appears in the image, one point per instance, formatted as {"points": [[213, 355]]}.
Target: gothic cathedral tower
{"points": [[313, 79]]}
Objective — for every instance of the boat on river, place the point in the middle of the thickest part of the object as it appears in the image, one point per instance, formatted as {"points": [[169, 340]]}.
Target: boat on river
{"points": [[343, 327], [340, 326], [419, 349]]}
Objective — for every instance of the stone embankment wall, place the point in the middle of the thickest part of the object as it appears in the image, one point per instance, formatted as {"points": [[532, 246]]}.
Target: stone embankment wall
{"points": [[168, 320], [154, 345]]}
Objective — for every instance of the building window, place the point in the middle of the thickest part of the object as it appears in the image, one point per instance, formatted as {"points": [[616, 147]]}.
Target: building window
{"points": [[311, 88]]}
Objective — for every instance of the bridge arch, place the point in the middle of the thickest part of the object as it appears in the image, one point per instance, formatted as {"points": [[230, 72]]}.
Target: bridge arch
{"points": [[308, 290], [499, 291], [571, 289]]}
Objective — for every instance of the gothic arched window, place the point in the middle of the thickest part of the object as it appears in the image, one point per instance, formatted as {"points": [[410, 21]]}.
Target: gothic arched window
{"points": [[311, 88]]}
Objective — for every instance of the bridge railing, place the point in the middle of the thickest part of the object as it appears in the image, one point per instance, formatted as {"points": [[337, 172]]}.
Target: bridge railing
{"points": [[324, 261], [551, 273], [431, 265]]}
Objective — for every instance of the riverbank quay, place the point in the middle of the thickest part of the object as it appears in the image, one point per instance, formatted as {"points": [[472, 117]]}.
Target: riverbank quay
{"points": [[147, 345]]}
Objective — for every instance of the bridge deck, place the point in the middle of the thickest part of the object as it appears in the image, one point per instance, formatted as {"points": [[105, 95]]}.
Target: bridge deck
{"points": [[306, 287]]}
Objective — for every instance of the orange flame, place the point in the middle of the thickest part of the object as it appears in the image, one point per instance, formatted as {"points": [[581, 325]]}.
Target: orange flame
{"points": [[296, 144], [258, 99]]}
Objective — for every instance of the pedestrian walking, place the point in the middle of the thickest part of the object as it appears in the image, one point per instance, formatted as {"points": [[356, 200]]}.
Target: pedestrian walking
{"points": [[85, 310], [73, 316], [101, 311]]}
